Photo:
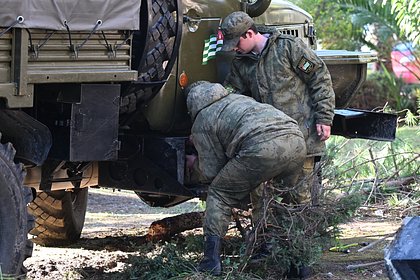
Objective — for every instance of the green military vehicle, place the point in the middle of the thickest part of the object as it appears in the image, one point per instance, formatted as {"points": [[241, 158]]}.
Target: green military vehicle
{"points": [[91, 94]]}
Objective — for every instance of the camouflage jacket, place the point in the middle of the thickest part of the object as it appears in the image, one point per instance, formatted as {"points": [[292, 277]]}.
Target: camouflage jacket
{"points": [[232, 125], [292, 78]]}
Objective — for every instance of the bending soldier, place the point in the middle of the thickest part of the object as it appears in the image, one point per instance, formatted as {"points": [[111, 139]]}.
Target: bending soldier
{"points": [[240, 143]]}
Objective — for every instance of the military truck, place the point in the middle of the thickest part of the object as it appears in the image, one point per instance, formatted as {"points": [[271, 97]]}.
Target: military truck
{"points": [[91, 94]]}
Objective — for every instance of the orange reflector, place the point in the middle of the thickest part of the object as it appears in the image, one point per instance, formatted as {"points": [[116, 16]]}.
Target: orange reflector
{"points": [[183, 80]]}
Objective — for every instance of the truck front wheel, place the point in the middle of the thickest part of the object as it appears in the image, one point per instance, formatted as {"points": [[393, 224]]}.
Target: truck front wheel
{"points": [[59, 216], [14, 244]]}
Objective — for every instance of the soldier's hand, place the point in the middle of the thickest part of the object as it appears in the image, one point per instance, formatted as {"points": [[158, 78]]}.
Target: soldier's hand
{"points": [[324, 131], [190, 159]]}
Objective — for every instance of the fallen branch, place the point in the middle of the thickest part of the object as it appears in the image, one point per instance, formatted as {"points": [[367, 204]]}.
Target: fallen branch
{"points": [[397, 183], [353, 167], [375, 242], [375, 181], [407, 163], [401, 181], [409, 208], [354, 266], [166, 228]]}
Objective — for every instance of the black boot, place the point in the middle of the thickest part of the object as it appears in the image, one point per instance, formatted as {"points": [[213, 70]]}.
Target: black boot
{"points": [[301, 272], [211, 261], [260, 254]]}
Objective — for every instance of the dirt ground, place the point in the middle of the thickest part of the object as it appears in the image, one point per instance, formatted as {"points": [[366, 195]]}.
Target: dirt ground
{"points": [[115, 220]]}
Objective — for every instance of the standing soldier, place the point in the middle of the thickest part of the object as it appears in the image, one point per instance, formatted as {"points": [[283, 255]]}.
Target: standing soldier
{"points": [[240, 143], [282, 71]]}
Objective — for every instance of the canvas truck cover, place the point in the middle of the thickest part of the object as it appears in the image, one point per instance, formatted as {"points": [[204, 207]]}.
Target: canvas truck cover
{"points": [[79, 15]]}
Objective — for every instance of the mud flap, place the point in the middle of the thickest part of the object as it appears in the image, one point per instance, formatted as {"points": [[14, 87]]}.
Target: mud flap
{"points": [[31, 139], [352, 123]]}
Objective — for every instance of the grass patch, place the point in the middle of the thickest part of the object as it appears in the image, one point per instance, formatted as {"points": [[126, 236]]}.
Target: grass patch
{"points": [[410, 136], [178, 259]]}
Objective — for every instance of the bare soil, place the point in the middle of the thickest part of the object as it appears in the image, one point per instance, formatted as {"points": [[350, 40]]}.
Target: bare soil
{"points": [[116, 221]]}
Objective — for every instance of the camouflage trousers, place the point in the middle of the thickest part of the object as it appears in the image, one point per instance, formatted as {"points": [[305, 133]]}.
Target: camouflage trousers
{"points": [[279, 157], [301, 192], [295, 192]]}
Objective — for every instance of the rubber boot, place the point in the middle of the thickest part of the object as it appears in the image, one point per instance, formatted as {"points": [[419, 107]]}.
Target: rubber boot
{"points": [[211, 261], [302, 272], [260, 254]]}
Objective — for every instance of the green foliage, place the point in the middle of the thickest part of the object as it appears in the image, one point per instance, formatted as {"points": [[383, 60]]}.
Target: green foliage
{"points": [[410, 118], [399, 95], [396, 200], [370, 167], [407, 15], [297, 235], [357, 163], [384, 89], [378, 25], [384, 23], [366, 12], [350, 24], [333, 26], [179, 258], [164, 261]]}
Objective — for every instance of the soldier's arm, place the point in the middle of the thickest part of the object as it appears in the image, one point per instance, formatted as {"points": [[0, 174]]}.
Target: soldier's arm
{"points": [[211, 156], [234, 82], [313, 71]]}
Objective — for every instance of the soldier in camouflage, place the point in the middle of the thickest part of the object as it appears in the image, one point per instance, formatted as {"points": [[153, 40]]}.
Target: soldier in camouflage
{"points": [[282, 71], [240, 143]]}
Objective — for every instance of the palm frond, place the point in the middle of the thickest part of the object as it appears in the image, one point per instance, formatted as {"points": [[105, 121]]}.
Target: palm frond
{"points": [[370, 12], [407, 16]]}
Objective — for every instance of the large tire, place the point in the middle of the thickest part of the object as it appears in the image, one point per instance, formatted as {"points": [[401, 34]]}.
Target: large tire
{"points": [[258, 7], [14, 246], [59, 216], [155, 48]]}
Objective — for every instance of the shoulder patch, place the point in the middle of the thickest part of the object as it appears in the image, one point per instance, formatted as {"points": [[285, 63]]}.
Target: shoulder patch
{"points": [[306, 65]]}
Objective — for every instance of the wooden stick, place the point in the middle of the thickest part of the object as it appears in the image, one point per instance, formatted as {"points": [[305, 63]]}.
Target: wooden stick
{"points": [[375, 242], [409, 208], [354, 266]]}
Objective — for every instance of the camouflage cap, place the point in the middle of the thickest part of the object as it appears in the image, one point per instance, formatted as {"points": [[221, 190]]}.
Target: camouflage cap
{"points": [[233, 27], [202, 94]]}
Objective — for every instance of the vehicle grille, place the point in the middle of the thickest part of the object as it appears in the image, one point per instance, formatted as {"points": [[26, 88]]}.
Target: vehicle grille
{"points": [[292, 32]]}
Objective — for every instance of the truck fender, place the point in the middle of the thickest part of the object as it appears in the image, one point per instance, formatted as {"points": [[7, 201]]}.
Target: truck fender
{"points": [[257, 8], [31, 139]]}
